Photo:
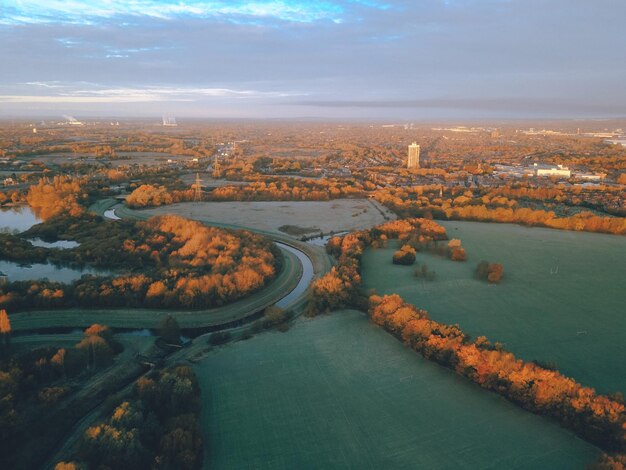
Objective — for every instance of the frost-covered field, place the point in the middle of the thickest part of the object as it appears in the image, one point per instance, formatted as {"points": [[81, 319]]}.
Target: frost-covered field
{"points": [[312, 217], [338, 392]]}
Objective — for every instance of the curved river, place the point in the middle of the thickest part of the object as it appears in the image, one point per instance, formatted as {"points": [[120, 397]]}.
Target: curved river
{"points": [[305, 278]]}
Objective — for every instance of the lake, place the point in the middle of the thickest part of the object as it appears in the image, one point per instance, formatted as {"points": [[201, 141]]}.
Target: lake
{"points": [[20, 218]]}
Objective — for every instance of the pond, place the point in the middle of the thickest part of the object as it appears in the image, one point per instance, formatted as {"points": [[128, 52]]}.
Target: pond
{"points": [[17, 219], [17, 272], [61, 244], [20, 218], [110, 214], [323, 240]]}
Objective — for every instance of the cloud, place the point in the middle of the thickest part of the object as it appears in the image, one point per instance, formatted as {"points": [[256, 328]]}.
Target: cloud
{"points": [[136, 95], [324, 58], [72, 11]]}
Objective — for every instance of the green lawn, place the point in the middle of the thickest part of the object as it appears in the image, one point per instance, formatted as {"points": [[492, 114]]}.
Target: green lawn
{"points": [[574, 316], [339, 392]]}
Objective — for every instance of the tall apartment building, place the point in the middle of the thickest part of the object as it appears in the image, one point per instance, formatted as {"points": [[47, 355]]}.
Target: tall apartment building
{"points": [[414, 156]]}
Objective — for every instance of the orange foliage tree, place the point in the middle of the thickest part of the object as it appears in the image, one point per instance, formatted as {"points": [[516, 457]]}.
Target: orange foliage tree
{"points": [[340, 287], [62, 195], [598, 418], [5, 327], [148, 195], [494, 207], [181, 263]]}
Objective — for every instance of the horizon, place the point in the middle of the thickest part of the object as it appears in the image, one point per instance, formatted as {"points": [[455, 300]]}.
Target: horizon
{"points": [[181, 120]]}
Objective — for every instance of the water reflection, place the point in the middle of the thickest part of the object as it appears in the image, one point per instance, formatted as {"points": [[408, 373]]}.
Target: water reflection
{"points": [[17, 219], [61, 244], [28, 272], [305, 279], [323, 240]]}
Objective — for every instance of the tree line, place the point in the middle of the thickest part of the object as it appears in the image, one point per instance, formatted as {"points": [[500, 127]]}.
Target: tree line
{"points": [[341, 286], [425, 202], [34, 382], [260, 189], [157, 427], [597, 418]]}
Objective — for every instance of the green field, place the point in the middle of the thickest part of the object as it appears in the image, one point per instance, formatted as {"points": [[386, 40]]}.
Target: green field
{"points": [[562, 299], [339, 392]]}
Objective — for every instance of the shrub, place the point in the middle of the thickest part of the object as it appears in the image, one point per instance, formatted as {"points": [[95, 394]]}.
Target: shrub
{"points": [[404, 256], [273, 315], [219, 337], [491, 272]]}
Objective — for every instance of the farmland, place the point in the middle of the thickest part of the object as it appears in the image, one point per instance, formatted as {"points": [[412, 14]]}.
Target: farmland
{"points": [[312, 217], [561, 300], [365, 401]]}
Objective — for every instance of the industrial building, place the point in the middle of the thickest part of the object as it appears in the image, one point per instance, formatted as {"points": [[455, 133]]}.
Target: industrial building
{"points": [[551, 170]]}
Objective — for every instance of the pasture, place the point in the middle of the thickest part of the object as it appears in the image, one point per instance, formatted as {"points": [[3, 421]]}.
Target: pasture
{"points": [[312, 217], [338, 392], [561, 300]]}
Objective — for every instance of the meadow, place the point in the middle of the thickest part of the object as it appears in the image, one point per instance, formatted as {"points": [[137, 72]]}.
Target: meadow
{"points": [[311, 217], [561, 300], [338, 392]]}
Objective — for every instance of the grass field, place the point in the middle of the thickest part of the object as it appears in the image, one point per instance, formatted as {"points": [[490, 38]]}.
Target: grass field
{"points": [[315, 216], [562, 298], [339, 392]]}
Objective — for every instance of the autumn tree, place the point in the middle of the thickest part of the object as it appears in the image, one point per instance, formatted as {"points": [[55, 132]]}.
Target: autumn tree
{"points": [[95, 351], [491, 272], [70, 466], [62, 195], [405, 255], [148, 195], [274, 315], [455, 251], [496, 270], [5, 329]]}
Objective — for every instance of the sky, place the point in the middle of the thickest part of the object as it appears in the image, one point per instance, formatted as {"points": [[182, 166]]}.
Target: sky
{"points": [[355, 59]]}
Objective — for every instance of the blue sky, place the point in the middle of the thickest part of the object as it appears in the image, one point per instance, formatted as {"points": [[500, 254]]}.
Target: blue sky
{"points": [[419, 59]]}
